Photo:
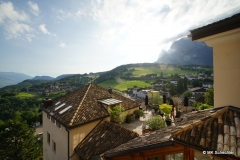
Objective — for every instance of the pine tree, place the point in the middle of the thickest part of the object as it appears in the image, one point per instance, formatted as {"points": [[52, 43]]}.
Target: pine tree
{"points": [[18, 141], [185, 83], [180, 87]]}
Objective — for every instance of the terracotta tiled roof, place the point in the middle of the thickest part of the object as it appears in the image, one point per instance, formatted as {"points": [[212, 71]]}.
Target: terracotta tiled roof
{"points": [[218, 132], [156, 139], [85, 106], [103, 137]]}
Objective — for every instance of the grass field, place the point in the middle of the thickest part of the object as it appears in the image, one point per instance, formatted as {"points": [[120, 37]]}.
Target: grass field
{"points": [[124, 84], [25, 95], [153, 70]]}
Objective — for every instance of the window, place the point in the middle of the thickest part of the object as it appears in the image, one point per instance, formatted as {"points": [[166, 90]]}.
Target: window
{"points": [[178, 156], [53, 146], [48, 138]]}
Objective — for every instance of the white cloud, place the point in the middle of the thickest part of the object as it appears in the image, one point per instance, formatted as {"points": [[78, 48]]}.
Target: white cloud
{"points": [[43, 28], [61, 15], [33, 8], [14, 22], [62, 45], [81, 13], [150, 26], [7, 12], [15, 29], [30, 36]]}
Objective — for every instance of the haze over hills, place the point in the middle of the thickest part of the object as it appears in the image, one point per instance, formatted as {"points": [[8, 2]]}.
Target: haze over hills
{"points": [[43, 78], [186, 52], [10, 78]]}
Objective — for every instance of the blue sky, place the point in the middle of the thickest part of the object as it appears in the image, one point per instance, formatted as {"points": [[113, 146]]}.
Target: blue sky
{"points": [[61, 37]]}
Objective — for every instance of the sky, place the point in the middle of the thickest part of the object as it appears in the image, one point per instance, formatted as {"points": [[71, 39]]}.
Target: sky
{"points": [[80, 36]]}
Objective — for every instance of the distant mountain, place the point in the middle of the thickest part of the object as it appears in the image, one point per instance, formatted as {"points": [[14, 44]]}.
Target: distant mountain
{"points": [[43, 78], [63, 76], [187, 52], [11, 78]]}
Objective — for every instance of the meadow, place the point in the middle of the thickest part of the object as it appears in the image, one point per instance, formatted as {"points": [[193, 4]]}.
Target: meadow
{"points": [[123, 85], [25, 95], [138, 71]]}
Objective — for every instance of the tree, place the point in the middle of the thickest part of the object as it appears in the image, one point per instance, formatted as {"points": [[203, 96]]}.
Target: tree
{"points": [[180, 87], [161, 74], [186, 101], [209, 97], [172, 90], [196, 83], [146, 100], [185, 82], [18, 141], [164, 99], [156, 100], [187, 94]]}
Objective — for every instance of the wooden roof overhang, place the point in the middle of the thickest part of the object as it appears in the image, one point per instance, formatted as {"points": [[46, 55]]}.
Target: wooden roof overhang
{"points": [[164, 144], [224, 25]]}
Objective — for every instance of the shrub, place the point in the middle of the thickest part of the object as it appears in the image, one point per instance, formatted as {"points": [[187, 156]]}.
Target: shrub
{"points": [[156, 122], [138, 113], [128, 119], [166, 109], [115, 114], [205, 106]]}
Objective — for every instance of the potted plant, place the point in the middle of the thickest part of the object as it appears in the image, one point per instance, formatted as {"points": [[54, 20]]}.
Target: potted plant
{"points": [[138, 113], [167, 110], [155, 122]]}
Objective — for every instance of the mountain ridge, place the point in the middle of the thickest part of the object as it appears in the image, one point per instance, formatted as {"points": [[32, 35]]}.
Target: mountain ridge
{"points": [[186, 52]]}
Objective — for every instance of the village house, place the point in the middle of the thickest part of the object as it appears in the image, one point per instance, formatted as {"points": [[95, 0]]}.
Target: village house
{"points": [[149, 76], [68, 120], [207, 84], [197, 90], [142, 93], [173, 82], [160, 83], [165, 76]]}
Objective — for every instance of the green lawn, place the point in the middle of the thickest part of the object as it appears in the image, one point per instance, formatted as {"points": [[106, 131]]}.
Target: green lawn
{"points": [[56, 93], [153, 70], [25, 95], [123, 85]]}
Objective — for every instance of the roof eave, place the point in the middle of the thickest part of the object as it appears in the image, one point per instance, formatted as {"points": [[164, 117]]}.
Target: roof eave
{"points": [[139, 149], [216, 28]]}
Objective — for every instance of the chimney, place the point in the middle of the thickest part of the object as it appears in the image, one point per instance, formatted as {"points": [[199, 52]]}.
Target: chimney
{"points": [[110, 90], [47, 102]]}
